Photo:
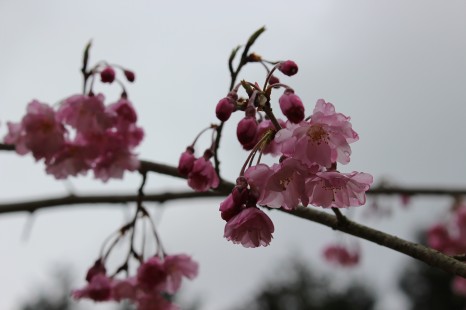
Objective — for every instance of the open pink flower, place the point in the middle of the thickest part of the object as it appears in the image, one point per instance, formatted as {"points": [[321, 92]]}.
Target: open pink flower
{"points": [[124, 111], [151, 274], [177, 267], [203, 176], [338, 190], [39, 132], [324, 140], [251, 227], [86, 114], [125, 289], [281, 186]]}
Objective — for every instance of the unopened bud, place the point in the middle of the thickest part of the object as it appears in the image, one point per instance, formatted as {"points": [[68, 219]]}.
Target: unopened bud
{"points": [[292, 106], [186, 162], [246, 130], [288, 67], [107, 75], [224, 108], [129, 75]]}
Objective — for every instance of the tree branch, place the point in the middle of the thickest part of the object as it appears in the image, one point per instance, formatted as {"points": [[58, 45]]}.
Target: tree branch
{"points": [[420, 252], [415, 250], [69, 200]]}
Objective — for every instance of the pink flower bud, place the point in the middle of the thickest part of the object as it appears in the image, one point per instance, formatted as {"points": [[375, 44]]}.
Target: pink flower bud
{"points": [[288, 67], [224, 108], [203, 176], [129, 75], [246, 130], [107, 75], [228, 208], [292, 106], [186, 162]]}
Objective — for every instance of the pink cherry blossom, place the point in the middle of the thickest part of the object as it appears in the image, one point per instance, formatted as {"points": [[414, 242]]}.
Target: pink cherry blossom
{"points": [[114, 164], [98, 289], [125, 289], [71, 160], [341, 255], [152, 274], [124, 111], [251, 227], [85, 113], [203, 176], [338, 190], [176, 267], [39, 132], [324, 140], [281, 186]]}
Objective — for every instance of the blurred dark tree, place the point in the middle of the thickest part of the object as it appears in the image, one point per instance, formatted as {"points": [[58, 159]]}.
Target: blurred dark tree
{"points": [[429, 288], [303, 290]]}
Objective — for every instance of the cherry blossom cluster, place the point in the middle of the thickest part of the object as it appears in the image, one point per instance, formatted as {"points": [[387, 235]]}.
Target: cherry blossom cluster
{"points": [[309, 150], [450, 238], [156, 280], [82, 133]]}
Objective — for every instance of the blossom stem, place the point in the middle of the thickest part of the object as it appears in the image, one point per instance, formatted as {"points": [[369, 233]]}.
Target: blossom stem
{"points": [[268, 111]]}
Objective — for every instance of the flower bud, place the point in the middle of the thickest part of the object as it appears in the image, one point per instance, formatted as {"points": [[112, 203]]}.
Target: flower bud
{"points": [[229, 208], [129, 75], [107, 75], [288, 67], [246, 130], [98, 268], [186, 162], [292, 106], [224, 108]]}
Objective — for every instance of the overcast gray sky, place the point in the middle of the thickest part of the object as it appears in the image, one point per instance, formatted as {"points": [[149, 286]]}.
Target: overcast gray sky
{"points": [[398, 68]]}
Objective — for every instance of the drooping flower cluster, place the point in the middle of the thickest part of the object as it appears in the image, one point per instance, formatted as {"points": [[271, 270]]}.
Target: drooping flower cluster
{"points": [[156, 280], [82, 134], [246, 224], [200, 172], [309, 151]]}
